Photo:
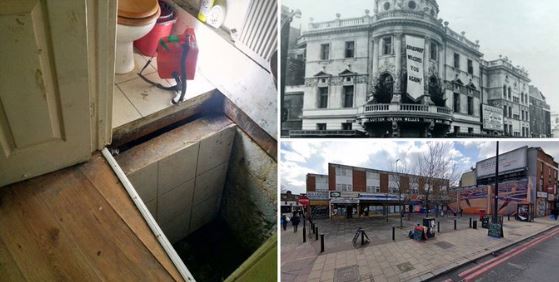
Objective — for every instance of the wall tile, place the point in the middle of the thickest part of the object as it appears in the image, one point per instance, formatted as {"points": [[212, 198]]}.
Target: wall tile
{"points": [[177, 168], [145, 182], [215, 149], [176, 201], [210, 184]]}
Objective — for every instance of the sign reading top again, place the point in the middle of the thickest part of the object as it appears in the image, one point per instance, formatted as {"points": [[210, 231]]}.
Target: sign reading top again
{"points": [[415, 48]]}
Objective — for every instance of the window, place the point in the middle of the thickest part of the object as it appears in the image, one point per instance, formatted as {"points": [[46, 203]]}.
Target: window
{"points": [[386, 6], [325, 51], [456, 60], [412, 5], [510, 129], [387, 46], [506, 129], [510, 93], [470, 106], [348, 96], [471, 130], [510, 112], [504, 91], [322, 97], [456, 102], [470, 67], [434, 51], [346, 126], [349, 49], [522, 119], [457, 129], [321, 126], [505, 110]]}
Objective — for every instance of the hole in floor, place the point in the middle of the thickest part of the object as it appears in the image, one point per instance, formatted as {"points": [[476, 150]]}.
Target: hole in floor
{"points": [[212, 252]]}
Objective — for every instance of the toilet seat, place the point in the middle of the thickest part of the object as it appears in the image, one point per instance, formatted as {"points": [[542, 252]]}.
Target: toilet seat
{"points": [[137, 12]]}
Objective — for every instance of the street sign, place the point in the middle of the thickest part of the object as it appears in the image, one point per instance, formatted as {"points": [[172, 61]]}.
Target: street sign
{"points": [[495, 230]]}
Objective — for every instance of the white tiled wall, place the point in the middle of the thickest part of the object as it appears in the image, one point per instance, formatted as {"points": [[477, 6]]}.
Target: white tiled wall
{"points": [[183, 191]]}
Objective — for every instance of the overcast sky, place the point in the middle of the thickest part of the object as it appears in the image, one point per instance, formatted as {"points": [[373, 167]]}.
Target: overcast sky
{"points": [[299, 157], [527, 31]]}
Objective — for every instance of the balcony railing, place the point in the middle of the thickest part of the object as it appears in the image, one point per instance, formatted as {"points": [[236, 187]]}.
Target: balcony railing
{"points": [[339, 23], [406, 108]]}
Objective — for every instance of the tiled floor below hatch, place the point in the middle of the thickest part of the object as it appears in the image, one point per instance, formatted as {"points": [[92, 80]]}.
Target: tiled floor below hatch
{"points": [[134, 98]]}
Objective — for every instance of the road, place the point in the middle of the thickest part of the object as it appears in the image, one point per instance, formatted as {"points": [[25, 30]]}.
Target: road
{"points": [[537, 261]]}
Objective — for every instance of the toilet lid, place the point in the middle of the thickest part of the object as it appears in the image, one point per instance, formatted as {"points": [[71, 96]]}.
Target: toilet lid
{"points": [[137, 9]]}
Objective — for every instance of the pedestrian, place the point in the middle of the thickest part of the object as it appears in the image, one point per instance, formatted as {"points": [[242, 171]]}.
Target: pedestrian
{"points": [[295, 222], [461, 211], [555, 213], [284, 222]]}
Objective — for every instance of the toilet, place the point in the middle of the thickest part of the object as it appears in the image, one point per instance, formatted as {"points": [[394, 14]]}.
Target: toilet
{"points": [[135, 19]]}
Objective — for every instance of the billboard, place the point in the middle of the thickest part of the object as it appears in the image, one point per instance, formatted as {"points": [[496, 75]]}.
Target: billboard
{"points": [[511, 193], [492, 117], [415, 47], [508, 162]]}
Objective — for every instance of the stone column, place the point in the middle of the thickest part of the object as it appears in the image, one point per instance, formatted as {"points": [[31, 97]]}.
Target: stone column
{"points": [[426, 57], [398, 72], [375, 57]]}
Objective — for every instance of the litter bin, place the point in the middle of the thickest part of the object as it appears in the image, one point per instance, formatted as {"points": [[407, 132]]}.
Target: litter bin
{"points": [[430, 224], [147, 45]]}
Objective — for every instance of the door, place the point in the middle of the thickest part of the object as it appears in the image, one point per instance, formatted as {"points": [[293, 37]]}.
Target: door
{"points": [[44, 88]]}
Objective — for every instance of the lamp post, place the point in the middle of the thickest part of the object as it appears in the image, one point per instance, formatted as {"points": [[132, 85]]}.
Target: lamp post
{"points": [[496, 203], [400, 195]]}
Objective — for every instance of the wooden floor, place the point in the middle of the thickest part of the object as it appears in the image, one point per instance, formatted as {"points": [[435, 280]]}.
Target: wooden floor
{"points": [[77, 224]]}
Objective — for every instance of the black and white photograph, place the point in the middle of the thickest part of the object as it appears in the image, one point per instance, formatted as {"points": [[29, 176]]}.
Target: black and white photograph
{"points": [[419, 68]]}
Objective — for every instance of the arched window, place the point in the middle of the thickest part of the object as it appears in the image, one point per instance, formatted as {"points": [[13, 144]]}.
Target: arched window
{"points": [[504, 91], [510, 93], [384, 88], [386, 6]]}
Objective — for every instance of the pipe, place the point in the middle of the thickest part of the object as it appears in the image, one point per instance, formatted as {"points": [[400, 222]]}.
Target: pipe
{"points": [[179, 264]]}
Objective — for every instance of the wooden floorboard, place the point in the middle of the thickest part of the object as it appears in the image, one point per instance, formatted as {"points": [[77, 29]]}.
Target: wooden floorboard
{"points": [[63, 226], [103, 178]]}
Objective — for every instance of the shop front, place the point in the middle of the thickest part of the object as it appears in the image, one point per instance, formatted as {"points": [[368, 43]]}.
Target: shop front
{"points": [[378, 204], [319, 205], [344, 205]]}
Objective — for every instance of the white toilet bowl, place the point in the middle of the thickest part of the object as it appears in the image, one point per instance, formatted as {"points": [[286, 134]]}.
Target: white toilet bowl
{"points": [[124, 45], [136, 18]]}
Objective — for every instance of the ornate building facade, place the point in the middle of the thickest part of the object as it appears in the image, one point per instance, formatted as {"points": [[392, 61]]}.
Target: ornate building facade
{"points": [[402, 72]]}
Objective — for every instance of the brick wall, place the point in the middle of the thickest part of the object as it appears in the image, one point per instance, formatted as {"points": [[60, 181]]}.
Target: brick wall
{"points": [[359, 180], [311, 183], [331, 177]]}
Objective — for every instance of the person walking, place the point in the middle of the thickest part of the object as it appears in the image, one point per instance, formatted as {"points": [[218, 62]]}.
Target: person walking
{"points": [[295, 222], [284, 222], [461, 211]]}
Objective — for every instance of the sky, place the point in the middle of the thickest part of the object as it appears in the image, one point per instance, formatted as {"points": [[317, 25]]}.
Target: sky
{"points": [[299, 157], [526, 31]]}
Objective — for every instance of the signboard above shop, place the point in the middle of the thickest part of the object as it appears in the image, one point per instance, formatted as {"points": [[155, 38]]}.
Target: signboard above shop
{"points": [[508, 162], [492, 117], [318, 195]]}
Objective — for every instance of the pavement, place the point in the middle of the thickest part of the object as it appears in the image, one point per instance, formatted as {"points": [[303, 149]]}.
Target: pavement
{"points": [[387, 260]]}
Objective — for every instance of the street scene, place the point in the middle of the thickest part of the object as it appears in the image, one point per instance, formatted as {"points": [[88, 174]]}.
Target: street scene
{"points": [[417, 211]]}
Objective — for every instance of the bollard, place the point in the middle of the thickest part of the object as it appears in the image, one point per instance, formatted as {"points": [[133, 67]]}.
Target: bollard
{"points": [[304, 234], [312, 227], [475, 224], [316, 233], [393, 233], [362, 238], [322, 243], [508, 216], [438, 227], [455, 224], [470, 222]]}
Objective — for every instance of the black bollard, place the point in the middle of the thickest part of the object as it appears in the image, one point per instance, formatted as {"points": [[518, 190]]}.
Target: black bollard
{"points": [[475, 224], [438, 227], [304, 234], [508, 216], [312, 227], [316, 233], [362, 238], [455, 224], [470, 222], [393, 233], [322, 243]]}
